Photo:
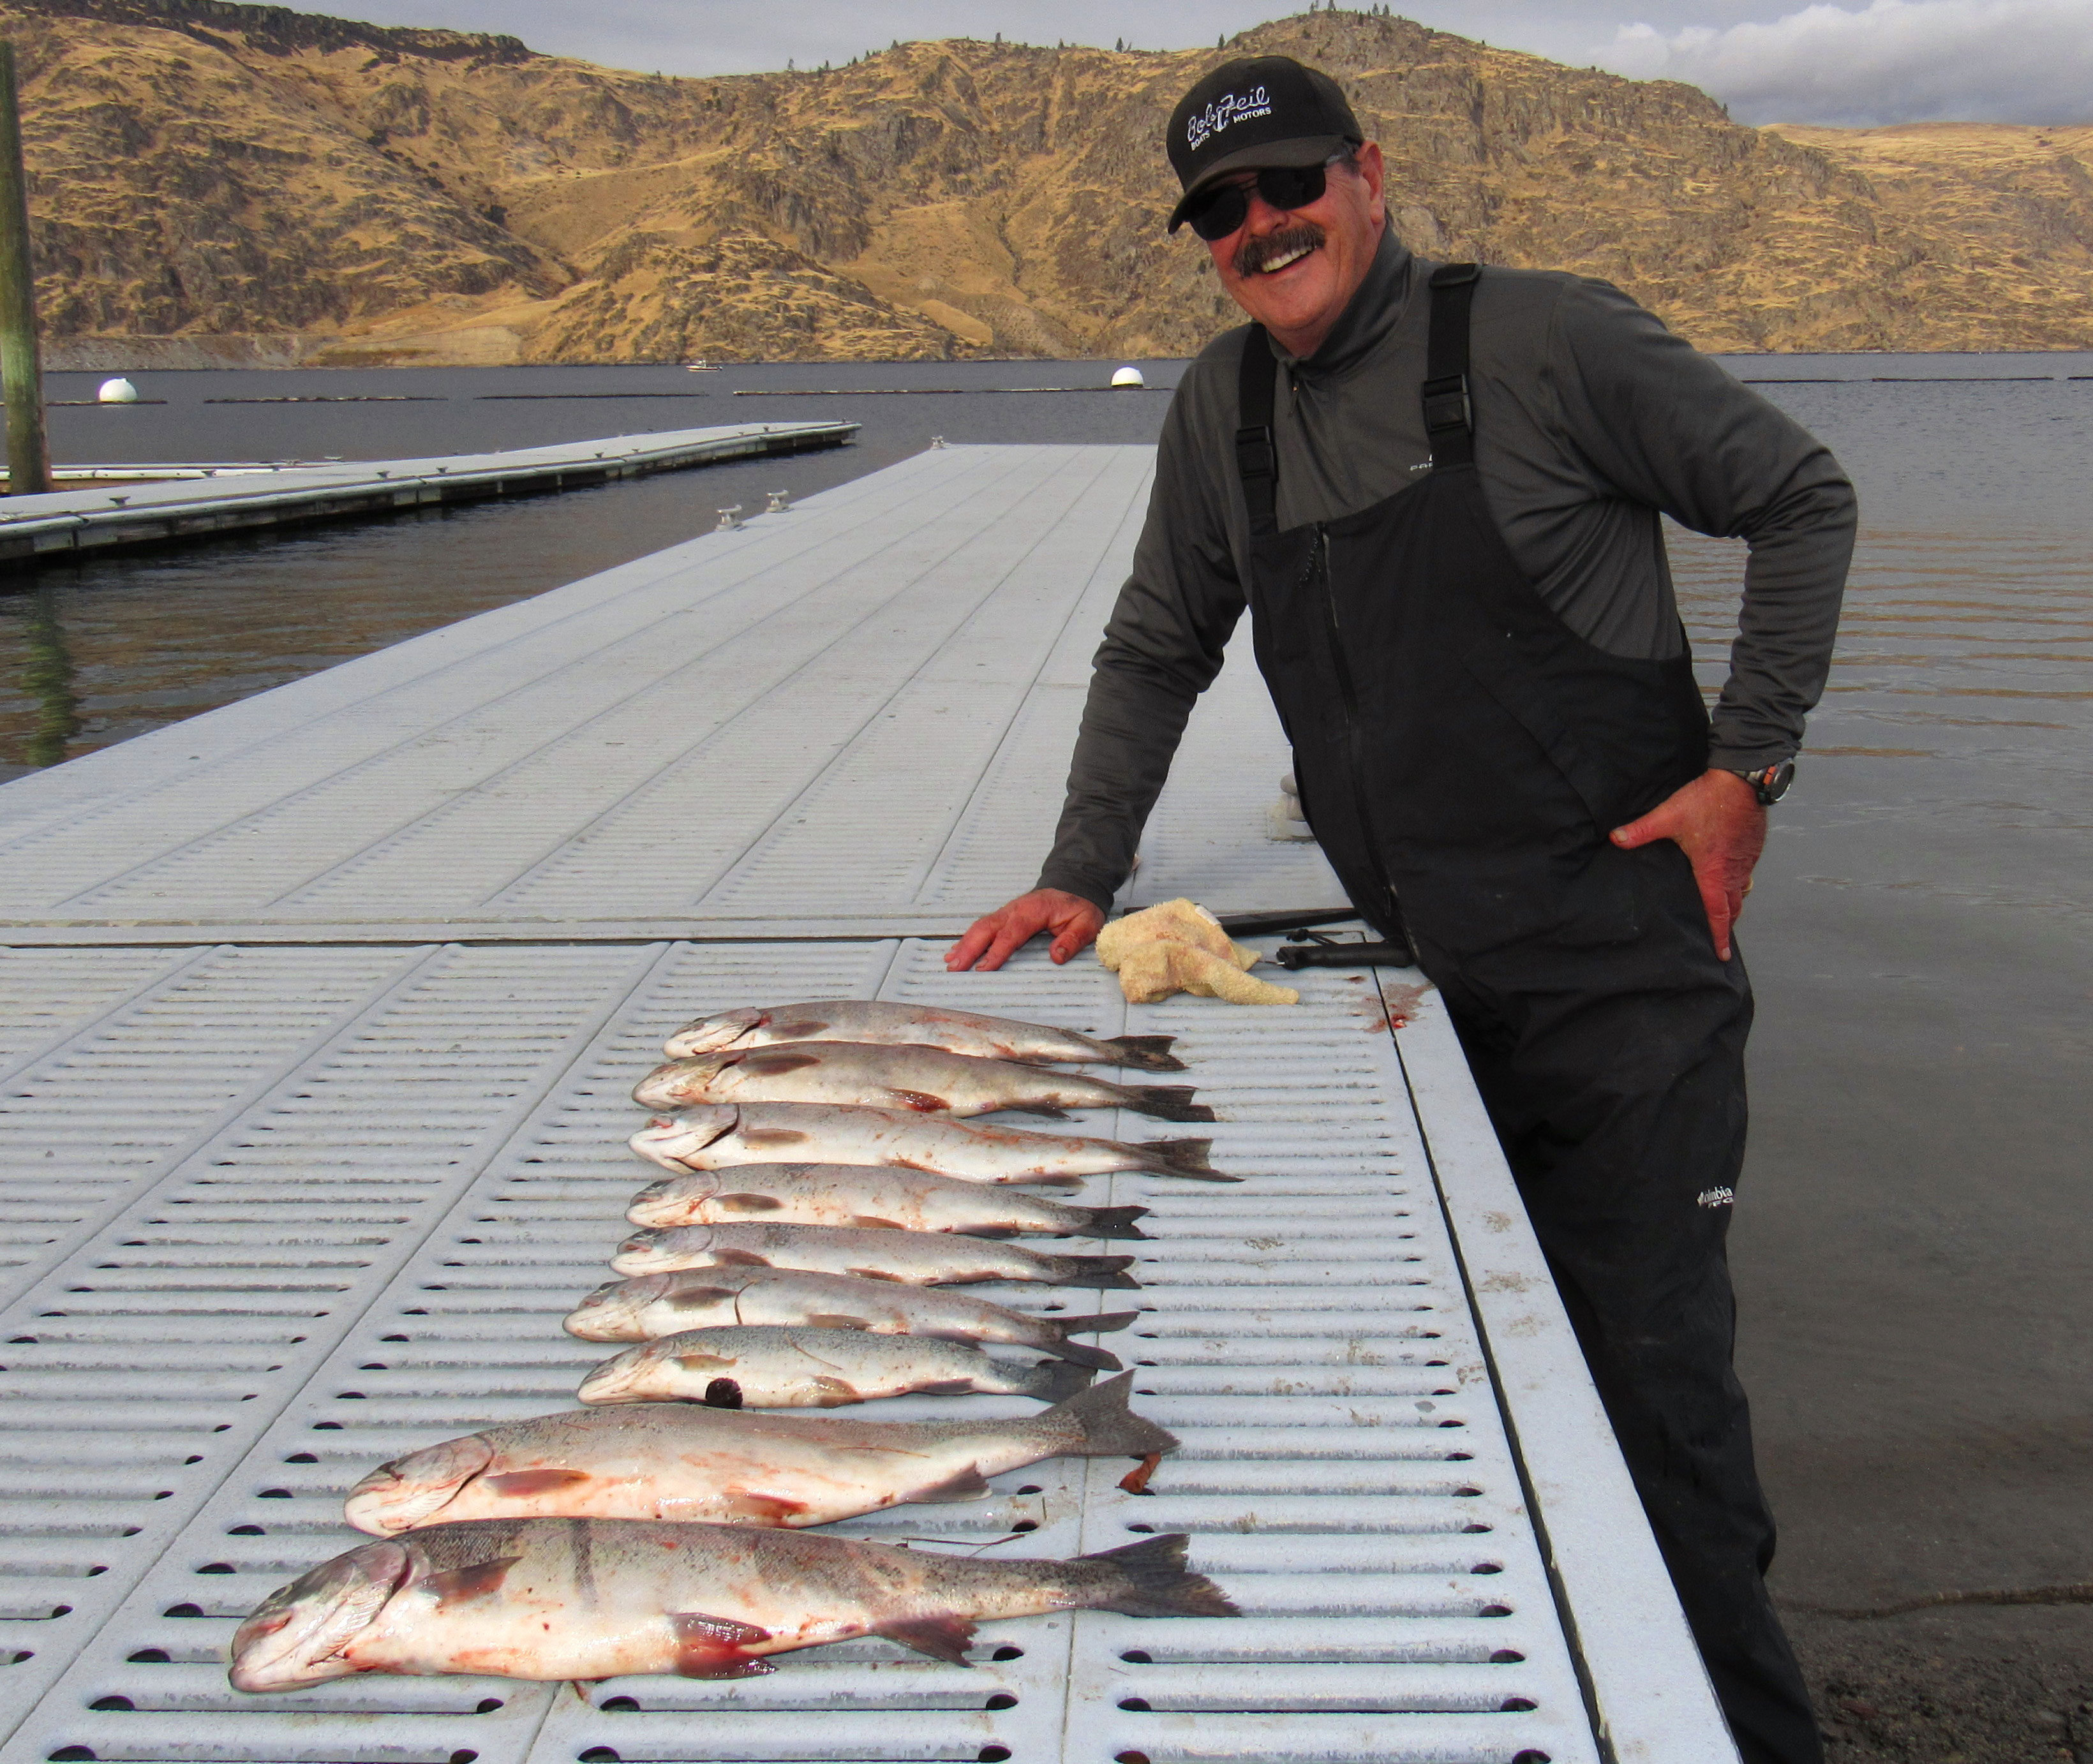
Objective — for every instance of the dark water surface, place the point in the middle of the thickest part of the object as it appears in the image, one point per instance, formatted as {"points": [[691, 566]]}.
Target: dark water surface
{"points": [[1915, 1229]]}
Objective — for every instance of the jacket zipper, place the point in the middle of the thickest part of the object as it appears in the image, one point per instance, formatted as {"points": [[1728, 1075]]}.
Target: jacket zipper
{"points": [[1347, 697]]}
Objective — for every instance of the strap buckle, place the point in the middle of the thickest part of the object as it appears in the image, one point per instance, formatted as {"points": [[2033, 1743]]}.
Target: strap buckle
{"points": [[1255, 456], [1446, 405]]}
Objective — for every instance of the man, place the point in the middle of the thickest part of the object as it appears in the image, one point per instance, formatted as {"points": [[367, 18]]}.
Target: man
{"points": [[1438, 491]]}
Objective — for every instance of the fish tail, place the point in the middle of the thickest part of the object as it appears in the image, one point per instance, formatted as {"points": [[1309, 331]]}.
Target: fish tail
{"points": [[1163, 1102], [1112, 1221], [1056, 1381], [1148, 1579], [1054, 1331], [1182, 1158], [1146, 1053], [1099, 1271], [1110, 1429]]}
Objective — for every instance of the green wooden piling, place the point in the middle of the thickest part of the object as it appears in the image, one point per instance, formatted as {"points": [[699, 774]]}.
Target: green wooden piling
{"points": [[21, 365]]}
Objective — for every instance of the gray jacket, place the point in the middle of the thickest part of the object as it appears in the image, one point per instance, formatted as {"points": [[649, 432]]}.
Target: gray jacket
{"points": [[1591, 418]]}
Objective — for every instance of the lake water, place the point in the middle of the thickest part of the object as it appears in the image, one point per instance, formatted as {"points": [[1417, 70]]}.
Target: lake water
{"points": [[1915, 1227]]}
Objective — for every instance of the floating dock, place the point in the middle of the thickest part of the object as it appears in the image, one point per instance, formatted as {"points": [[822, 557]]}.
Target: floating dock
{"points": [[319, 1014], [66, 523]]}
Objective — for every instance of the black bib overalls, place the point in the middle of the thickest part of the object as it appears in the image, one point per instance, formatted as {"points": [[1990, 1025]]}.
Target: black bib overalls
{"points": [[1461, 756]]}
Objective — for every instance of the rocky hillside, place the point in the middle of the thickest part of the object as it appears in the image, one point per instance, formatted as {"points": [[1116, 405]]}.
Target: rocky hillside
{"points": [[305, 187]]}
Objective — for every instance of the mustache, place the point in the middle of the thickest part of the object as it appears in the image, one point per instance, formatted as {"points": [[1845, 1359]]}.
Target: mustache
{"points": [[1253, 254]]}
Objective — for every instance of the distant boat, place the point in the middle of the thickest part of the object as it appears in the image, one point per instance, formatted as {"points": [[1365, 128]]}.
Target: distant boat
{"points": [[701, 365]]}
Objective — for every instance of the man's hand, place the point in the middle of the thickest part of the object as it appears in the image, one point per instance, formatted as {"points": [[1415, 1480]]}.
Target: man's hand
{"points": [[1073, 920], [1716, 821]]}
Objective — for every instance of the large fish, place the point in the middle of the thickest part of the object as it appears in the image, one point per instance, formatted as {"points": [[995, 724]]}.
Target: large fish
{"points": [[774, 1368], [595, 1599], [928, 1080], [913, 1258], [870, 1196], [682, 1461], [715, 1134], [956, 1031], [714, 1298]]}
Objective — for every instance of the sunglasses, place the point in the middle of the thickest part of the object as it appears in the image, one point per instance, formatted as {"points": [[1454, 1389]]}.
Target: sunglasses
{"points": [[1218, 212]]}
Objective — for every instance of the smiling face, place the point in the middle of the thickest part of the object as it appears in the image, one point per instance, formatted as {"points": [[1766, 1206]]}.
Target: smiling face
{"points": [[1293, 270]]}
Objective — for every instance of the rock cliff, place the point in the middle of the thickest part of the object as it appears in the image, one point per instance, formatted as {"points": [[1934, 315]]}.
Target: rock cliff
{"points": [[203, 170]]}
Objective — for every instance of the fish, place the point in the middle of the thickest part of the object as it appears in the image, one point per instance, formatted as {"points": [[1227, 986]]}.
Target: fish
{"points": [[734, 1467], [651, 1305], [911, 1258], [956, 1032], [927, 1080], [713, 1134], [816, 1369], [597, 1598], [870, 1196]]}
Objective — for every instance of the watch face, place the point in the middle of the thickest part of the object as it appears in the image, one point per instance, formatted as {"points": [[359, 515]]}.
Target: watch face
{"points": [[1772, 783]]}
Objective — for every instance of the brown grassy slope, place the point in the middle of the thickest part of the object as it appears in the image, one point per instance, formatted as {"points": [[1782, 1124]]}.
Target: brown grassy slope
{"points": [[1992, 225], [204, 166]]}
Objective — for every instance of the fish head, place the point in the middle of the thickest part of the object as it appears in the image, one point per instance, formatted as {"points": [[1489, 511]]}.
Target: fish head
{"points": [[626, 1377], [611, 1312], [640, 1253], [667, 1201], [297, 1634], [413, 1490], [670, 1140], [722, 1029], [682, 1081]]}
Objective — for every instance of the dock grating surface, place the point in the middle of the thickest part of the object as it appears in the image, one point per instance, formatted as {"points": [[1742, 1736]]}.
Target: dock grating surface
{"points": [[273, 1212]]}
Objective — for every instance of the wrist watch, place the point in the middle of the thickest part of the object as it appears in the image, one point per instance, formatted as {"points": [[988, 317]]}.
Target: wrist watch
{"points": [[1769, 783]]}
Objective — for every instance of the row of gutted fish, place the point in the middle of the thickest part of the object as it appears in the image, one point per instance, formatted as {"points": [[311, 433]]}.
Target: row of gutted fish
{"points": [[822, 1200]]}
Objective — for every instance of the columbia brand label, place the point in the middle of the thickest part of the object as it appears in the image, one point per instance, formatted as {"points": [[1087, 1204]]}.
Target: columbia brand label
{"points": [[1717, 1197], [1237, 107]]}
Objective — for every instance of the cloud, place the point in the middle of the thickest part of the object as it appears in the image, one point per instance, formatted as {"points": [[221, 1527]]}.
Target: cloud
{"points": [[1896, 61]]}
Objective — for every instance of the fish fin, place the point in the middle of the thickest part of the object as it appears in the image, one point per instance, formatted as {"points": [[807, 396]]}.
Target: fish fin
{"points": [[921, 1100], [876, 1274], [943, 1638], [1110, 1429], [697, 1298], [739, 1258], [835, 1394], [1166, 1102], [994, 1233], [1148, 1053], [946, 1387], [1148, 1579], [458, 1586], [866, 1221], [1077, 1354], [710, 1647], [747, 1202], [1055, 1380], [526, 1484], [723, 1394], [1097, 1271], [1103, 1323], [1183, 1157], [1113, 1221], [1046, 1110], [835, 1319], [967, 1484]]}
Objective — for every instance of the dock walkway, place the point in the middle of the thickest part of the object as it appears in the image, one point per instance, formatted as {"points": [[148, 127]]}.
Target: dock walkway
{"points": [[66, 523], [317, 1016]]}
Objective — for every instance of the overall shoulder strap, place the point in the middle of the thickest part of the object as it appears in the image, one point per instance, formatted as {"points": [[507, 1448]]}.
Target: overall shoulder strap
{"points": [[1257, 459], [1450, 418]]}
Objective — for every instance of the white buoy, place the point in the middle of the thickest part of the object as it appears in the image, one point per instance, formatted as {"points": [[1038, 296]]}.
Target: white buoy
{"points": [[117, 392], [1127, 376]]}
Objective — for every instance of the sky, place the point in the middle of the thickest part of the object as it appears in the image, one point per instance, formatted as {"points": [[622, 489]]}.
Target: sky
{"points": [[1862, 64]]}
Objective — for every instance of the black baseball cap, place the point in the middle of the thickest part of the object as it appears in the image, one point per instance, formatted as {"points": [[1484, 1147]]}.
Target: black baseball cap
{"points": [[1244, 115]]}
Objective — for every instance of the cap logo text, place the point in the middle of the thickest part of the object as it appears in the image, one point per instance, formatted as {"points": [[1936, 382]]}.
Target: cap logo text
{"points": [[1237, 107]]}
